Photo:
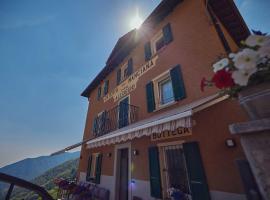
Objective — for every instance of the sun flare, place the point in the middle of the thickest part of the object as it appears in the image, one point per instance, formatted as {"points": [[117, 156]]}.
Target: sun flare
{"points": [[136, 21]]}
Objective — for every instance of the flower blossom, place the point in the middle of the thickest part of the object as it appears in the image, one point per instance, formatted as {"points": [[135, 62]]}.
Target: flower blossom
{"points": [[242, 77], [246, 59], [257, 40], [232, 55], [264, 51], [221, 64], [223, 79]]}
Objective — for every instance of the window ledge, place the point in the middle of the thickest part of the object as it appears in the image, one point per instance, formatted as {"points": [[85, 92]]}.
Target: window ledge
{"points": [[160, 107]]}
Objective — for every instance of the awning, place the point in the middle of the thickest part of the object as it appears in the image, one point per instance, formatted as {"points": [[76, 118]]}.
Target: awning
{"points": [[171, 120], [143, 128]]}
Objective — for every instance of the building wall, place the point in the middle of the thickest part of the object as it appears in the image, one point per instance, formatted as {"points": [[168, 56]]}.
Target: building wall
{"points": [[211, 131], [195, 47]]}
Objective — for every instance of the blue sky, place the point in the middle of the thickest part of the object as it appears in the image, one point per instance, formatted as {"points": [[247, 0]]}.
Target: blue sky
{"points": [[49, 52]]}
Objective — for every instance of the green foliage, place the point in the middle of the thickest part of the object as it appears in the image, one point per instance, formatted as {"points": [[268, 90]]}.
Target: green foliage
{"points": [[30, 168]]}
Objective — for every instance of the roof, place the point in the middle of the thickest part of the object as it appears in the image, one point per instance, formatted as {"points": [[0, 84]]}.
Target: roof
{"points": [[230, 17], [120, 44], [225, 10], [127, 42]]}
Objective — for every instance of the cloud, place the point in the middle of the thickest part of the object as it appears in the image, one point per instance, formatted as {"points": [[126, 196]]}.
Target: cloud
{"points": [[9, 22]]}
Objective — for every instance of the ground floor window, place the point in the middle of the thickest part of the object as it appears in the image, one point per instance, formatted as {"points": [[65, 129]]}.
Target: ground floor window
{"points": [[177, 165], [173, 170], [94, 168]]}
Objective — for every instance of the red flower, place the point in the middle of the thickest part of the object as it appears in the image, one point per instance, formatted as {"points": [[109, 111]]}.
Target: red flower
{"points": [[223, 79], [203, 84]]}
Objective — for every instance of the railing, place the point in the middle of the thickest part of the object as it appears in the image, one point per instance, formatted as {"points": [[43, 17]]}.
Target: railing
{"points": [[118, 117], [14, 181]]}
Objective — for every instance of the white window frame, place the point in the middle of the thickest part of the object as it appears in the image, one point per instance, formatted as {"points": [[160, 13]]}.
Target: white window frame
{"points": [[157, 90], [93, 165], [123, 68], [160, 83], [154, 40]]}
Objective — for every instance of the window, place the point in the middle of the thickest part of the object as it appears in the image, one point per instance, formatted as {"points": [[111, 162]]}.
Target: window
{"points": [[99, 124], [125, 71], [165, 91], [157, 42], [105, 90], [172, 157], [106, 87], [161, 39], [94, 168], [99, 92]]}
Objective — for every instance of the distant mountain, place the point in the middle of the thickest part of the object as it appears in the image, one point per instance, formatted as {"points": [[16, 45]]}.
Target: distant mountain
{"points": [[66, 170], [30, 168]]}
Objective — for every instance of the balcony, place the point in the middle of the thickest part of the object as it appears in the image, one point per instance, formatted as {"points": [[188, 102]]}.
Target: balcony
{"points": [[116, 118]]}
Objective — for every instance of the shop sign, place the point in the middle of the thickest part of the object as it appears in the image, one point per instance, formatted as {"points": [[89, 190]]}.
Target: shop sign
{"points": [[179, 132], [130, 84]]}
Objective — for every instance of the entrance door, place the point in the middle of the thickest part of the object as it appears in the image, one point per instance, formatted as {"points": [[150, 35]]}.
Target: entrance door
{"points": [[122, 187], [123, 119], [173, 170]]}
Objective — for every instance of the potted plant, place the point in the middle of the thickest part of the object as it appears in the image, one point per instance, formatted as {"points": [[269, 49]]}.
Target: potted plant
{"points": [[246, 74], [176, 194]]}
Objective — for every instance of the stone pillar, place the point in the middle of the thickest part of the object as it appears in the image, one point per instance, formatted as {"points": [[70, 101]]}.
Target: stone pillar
{"points": [[255, 140]]}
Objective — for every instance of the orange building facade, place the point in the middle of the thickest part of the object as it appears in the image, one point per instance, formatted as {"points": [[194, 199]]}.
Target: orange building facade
{"points": [[149, 128]]}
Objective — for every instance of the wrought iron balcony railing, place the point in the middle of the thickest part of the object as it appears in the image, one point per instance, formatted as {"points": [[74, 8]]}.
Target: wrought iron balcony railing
{"points": [[116, 118]]}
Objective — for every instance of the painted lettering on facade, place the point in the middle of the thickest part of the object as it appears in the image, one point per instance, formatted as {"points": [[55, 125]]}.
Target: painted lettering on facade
{"points": [[131, 82], [179, 132]]}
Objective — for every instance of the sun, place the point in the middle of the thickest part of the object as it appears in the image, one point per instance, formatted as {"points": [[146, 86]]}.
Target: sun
{"points": [[136, 21]]}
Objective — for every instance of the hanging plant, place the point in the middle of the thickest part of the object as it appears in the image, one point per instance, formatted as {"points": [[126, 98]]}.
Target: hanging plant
{"points": [[247, 67]]}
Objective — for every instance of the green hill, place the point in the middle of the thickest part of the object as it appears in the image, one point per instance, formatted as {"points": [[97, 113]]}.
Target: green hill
{"points": [[30, 168], [66, 170]]}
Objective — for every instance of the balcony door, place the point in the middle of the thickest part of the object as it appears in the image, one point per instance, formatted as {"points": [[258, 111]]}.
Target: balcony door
{"points": [[123, 118]]}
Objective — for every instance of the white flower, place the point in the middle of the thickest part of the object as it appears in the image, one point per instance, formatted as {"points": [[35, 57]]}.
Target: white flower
{"points": [[220, 64], [241, 77], [232, 55], [256, 40], [264, 51], [246, 59]]}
